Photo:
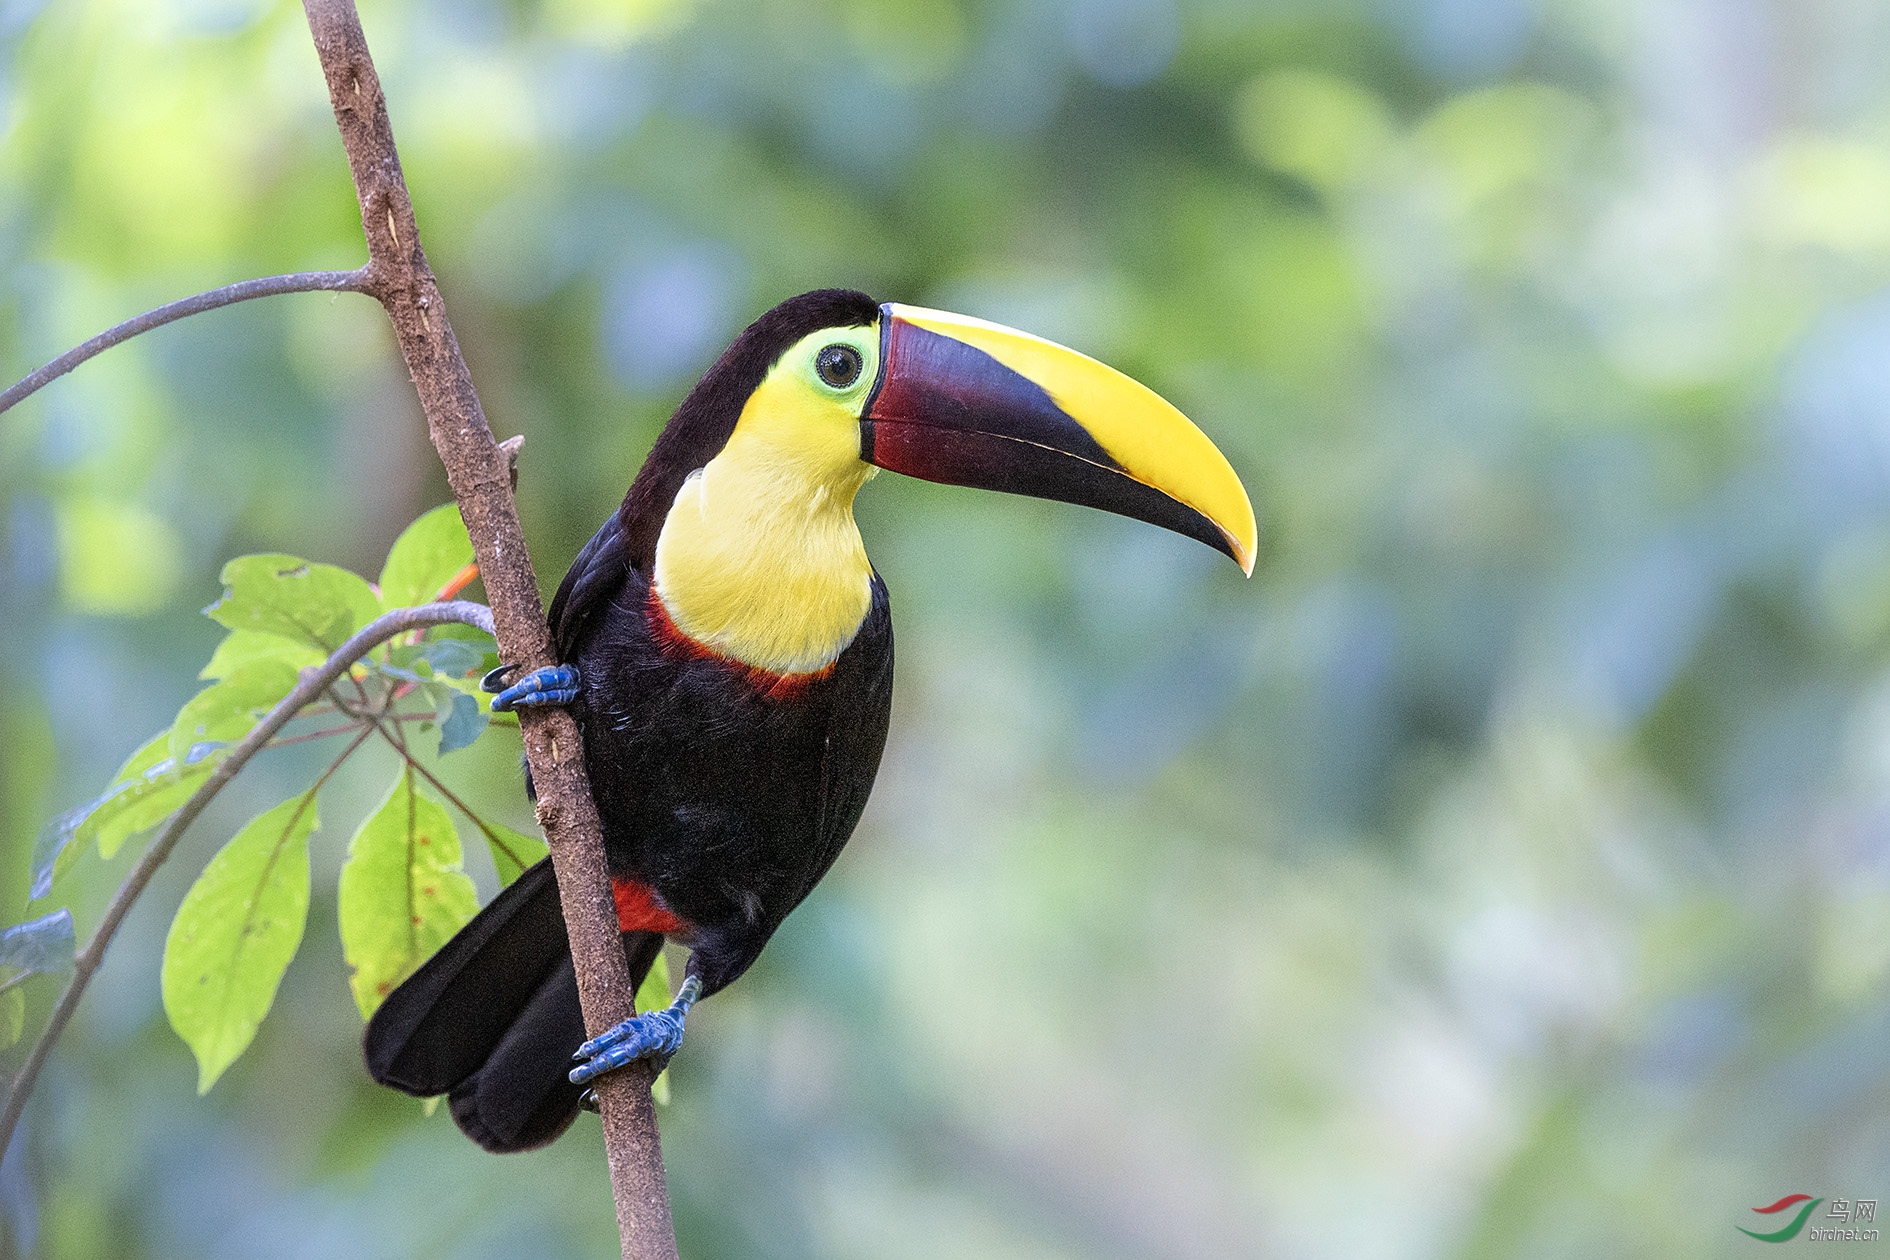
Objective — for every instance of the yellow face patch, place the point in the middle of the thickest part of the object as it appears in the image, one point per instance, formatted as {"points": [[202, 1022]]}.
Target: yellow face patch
{"points": [[759, 559]]}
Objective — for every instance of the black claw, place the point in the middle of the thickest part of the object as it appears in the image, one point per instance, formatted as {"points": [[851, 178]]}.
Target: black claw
{"points": [[587, 1101], [494, 681]]}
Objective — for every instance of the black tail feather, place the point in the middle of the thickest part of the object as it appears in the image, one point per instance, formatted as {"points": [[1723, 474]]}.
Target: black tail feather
{"points": [[493, 1017], [520, 1097], [441, 1023]]}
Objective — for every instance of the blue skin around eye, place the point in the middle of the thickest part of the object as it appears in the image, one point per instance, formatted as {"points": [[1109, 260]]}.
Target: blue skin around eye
{"points": [[652, 1035], [553, 685]]}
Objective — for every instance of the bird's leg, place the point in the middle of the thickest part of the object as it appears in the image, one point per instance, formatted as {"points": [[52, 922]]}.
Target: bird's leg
{"points": [[555, 685], [652, 1035]]}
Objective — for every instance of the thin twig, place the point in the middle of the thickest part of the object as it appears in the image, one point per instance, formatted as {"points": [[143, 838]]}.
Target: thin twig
{"points": [[303, 739], [300, 282], [335, 765], [398, 738], [314, 680], [343, 730]]}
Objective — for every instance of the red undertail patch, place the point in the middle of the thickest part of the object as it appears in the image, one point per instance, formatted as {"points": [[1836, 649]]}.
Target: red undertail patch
{"points": [[639, 909]]}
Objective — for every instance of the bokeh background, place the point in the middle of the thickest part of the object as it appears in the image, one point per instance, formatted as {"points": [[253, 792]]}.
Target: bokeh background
{"points": [[1504, 870]]}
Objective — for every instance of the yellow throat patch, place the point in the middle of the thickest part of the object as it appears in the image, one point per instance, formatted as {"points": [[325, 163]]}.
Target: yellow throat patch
{"points": [[759, 558]]}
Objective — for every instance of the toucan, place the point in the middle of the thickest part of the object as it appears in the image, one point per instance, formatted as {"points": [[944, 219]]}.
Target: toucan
{"points": [[727, 651]]}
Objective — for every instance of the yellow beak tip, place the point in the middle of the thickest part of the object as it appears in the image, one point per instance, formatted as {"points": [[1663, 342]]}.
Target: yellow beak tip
{"points": [[1244, 555]]}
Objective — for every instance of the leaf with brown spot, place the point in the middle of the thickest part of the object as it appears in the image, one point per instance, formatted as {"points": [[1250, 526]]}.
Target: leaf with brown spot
{"points": [[402, 894]]}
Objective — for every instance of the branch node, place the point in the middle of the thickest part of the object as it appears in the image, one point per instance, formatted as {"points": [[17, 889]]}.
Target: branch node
{"points": [[510, 448]]}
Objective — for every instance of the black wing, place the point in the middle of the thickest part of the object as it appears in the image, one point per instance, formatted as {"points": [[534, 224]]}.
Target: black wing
{"points": [[589, 586], [861, 700]]}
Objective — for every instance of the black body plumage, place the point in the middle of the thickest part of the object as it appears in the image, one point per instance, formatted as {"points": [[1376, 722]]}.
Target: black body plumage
{"points": [[727, 793], [728, 797]]}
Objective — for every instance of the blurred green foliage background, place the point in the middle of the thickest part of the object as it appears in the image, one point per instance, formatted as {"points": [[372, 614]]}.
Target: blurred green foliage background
{"points": [[1504, 870]]}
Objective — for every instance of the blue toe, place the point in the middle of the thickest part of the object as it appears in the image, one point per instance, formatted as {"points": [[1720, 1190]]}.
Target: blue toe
{"points": [[656, 1035], [553, 685], [652, 1035]]}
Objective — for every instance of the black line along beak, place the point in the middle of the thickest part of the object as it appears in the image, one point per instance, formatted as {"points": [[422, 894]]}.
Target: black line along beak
{"points": [[970, 403]]}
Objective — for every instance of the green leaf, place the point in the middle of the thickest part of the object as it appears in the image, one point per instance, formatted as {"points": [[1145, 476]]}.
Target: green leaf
{"points": [[460, 656], [225, 711], [234, 934], [145, 791], [403, 894], [314, 604], [147, 802], [149, 788], [453, 658], [653, 995], [57, 847], [240, 647], [512, 851], [39, 945], [12, 1016], [147, 755], [465, 722], [427, 555]]}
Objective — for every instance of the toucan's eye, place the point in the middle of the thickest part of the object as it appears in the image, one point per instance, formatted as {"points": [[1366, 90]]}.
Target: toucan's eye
{"points": [[839, 365]]}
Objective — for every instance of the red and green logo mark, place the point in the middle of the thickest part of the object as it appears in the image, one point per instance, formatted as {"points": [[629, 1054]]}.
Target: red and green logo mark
{"points": [[1790, 1229], [1849, 1217]]}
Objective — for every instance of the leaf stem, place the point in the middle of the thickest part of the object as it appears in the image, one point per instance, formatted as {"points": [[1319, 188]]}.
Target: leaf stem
{"points": [[314, 681], [355, 281], [445, 791]]}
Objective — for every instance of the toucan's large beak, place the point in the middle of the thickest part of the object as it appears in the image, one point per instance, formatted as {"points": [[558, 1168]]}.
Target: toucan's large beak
{"points": [[970, 403]]}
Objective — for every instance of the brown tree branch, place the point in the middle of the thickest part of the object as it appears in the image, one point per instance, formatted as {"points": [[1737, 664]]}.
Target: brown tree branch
{"points": [[478, 473], [242, 291], [313, 682]]}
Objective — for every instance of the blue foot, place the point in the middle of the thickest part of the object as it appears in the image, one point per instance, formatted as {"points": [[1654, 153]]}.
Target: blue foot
{"points": [[554, 685], [652, 1035]]}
